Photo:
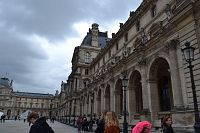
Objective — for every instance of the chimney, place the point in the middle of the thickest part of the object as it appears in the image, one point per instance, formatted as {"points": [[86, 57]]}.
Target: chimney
{"points": [[120, 25], [113, 34]]}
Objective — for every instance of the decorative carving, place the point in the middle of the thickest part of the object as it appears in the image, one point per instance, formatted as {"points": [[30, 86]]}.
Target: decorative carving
{"points": [[138, 42], [126, 51], [142, 61], [117, 59], [155, 29], [172, 44], [143, 36], [168, 11]]}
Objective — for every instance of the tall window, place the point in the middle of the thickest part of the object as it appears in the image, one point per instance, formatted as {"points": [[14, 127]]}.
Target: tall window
{"points": [[117, 46], [86, 71], [153, 11], [87, 57], [138, 25]]}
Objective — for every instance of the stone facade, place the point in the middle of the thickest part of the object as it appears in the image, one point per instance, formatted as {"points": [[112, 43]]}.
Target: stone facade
{"points": [[14, 103], [148, 48]]}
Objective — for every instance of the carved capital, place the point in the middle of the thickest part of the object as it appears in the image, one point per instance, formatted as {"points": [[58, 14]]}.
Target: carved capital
{"points": [[142, 61], [172, 44]]}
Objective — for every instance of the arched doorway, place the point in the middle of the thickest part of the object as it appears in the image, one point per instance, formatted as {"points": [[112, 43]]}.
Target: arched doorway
{"points": [[118, 97], [135, 93], [99, 102], [160, 85], [107, 98]]}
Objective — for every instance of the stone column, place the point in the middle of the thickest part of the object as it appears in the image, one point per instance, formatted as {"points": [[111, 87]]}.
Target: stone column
{"points": [[175, 76], [131, 102], [153, 99], [145, 93]]}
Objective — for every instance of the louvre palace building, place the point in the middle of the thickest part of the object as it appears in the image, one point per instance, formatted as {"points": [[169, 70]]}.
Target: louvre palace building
{"points": [[147, 51], [17, 104]]}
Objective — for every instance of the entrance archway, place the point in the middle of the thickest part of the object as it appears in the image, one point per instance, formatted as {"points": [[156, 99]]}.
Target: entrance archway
{"points": [[160, 85], [107, 98], [118, 97], [135, 93]]}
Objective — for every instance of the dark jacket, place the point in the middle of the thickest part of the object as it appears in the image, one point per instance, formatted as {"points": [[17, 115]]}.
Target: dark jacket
{"points": [[100, 126], [167, 129], [41, 126]]}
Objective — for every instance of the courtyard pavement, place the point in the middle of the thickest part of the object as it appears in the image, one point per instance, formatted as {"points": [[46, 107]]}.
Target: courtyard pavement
{"points": [[11, 126]]}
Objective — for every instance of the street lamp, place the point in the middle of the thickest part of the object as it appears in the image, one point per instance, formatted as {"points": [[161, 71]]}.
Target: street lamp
{"points": [[188, 53], [91, 112], [124, 85]]}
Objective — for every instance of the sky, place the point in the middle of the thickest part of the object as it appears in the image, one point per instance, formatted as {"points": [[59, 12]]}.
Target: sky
{"points": [[38, 37]]}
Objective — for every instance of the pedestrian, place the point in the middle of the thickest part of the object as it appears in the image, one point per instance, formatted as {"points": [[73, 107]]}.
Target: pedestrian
{"points": [[101, 123], [79, 123], [142, 127], [85, 124], [39, 124], [3, 117], [15, 118], [111, 123], [167, 124]]}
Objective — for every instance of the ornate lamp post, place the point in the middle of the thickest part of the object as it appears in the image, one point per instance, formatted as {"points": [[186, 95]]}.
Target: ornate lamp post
{"points": [[188, 53], [124, 85], [91, 112]]}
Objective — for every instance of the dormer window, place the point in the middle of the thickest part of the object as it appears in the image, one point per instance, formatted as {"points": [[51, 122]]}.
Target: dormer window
{"points": [[87, 57], [153, 11], [138, 25]]}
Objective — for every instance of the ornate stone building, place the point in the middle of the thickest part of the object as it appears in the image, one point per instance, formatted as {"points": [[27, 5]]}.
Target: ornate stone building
{"points": [[148, 48], [14, 103]]}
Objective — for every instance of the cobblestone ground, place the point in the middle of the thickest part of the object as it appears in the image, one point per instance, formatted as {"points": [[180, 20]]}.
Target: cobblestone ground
{"points": [[11, 126]]}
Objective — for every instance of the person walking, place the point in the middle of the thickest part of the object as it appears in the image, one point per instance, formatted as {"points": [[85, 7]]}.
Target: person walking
{"points": [[167, 124], [142, 127], [79, 123], [111, 123], [101, 123], [39, 124]]}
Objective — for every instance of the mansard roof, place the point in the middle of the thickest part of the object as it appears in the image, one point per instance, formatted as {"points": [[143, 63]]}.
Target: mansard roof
{"points": [[102, 39], [33, 95], [5, 82]]}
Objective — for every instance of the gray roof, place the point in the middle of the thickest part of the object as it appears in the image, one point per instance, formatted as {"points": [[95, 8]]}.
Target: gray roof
{"points": [[102, 39], [5, 82], [35, 95]]}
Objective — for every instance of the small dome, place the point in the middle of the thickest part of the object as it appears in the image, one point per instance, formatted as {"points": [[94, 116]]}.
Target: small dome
{"points": [[5, 82]]}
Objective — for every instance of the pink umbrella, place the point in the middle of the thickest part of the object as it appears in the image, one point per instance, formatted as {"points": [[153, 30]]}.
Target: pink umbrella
{"points": [[140, 125]]}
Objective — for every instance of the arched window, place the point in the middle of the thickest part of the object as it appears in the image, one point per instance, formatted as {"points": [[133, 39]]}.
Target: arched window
{"points": [[87, 57]]}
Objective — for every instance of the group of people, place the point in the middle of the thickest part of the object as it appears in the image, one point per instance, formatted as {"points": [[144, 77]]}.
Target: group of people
{"points": [[108, 123]]}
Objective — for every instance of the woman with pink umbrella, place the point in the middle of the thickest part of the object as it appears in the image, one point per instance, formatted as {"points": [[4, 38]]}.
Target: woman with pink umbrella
{"points": [[142, 127]]}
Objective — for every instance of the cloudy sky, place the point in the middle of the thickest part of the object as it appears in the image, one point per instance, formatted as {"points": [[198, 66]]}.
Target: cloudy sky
{"points": [[37, 37]]}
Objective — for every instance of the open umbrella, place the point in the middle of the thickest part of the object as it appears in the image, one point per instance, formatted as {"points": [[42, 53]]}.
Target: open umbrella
{"points": [[140, 125]]}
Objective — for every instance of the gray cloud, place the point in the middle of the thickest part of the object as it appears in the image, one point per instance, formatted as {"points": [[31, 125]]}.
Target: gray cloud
{"points": [[27, 62]]}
